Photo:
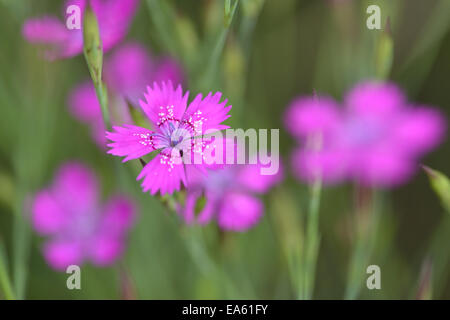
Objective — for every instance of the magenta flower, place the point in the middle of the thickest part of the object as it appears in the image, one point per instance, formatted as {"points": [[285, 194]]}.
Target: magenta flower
{"points": [[230, 196], [79, 227], [127, 72], [114, 18], [376, 139], [84, 106], [177, 131]]}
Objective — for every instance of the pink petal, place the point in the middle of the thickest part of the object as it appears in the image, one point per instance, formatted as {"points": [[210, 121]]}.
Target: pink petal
{"points": [[330, 165], [162, 103], [208, 211], [195, 175], [47, 214], [310, 115], [128, 71], [163, 174], [210, 152], [46, 30], [114, 19], [251, 178], [419, 130], [375, 98], [84, 104], [169, 69], [239, 212], [98, 133], [382, 168], [62, 253], [207, 114], [75, 187], [118, 215], [50, 31], [105, 249], [130, 141], [189, 208]]}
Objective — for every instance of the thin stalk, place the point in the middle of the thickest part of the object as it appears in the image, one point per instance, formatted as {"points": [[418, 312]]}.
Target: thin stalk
{"points": [[5, 281], [163, 17], [102, 96], [195, 244], [212, 64], [21, 246], [93, 54], [295, 269], [312, 241], [367, 218], [440, 255]]}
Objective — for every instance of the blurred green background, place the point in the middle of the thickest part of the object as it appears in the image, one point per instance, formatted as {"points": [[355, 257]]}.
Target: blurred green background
{"points": [[275, 50]]}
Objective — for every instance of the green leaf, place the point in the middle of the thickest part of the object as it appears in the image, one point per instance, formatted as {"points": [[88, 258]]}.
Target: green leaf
{"points": [[425, 48], [92, 45], [5, 281], [6, 189], [384, 53], [164, 17], [93, 53], [213, 51], [441, 185], [229, 11]]}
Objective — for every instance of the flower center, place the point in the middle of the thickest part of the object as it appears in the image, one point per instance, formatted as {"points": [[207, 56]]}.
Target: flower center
{"points": [[219, 181], [83, 225], [363, 132]]}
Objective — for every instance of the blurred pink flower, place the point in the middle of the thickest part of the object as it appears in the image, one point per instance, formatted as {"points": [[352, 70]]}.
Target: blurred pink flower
{"points": [[78, 226], [230, 195], [131, 68], [127, 72], [177, 127], [114, 18], [376, 139]]}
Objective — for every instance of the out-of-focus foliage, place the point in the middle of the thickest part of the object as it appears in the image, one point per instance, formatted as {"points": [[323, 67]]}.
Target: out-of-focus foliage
{"points": [[441, 185], [272, 52]]}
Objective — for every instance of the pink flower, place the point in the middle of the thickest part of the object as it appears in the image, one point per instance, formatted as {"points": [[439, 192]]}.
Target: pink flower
{"points": [[131, 68], [126, 73], [114, 18], [230, 196], [376, 139], [177, 127], [78, 226]]}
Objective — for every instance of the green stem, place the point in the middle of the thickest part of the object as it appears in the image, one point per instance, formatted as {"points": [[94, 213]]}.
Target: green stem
{"points": [[93, 54], [213, 62], [440, 255], [163, 17], [295, 269], [312, 241], [366, 224], [102, 96], [195, 243], [5, 281], [21, 247]]}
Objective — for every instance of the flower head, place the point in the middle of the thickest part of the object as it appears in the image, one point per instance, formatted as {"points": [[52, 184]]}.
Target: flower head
{"points": [[78, 226], [376, 139], [114, 18], [177, 131], [127, 72], [131, 68], [230, 194]]}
